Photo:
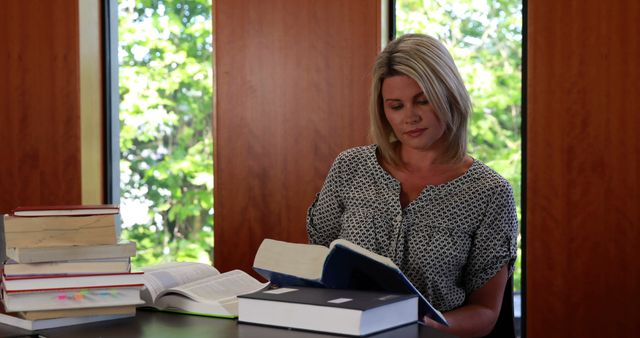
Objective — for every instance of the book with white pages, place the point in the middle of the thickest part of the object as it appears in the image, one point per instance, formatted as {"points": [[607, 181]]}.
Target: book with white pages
{"points": [[57, 282], [123, 249], [69, 267], [42, 324], [196, 288], [67, 299]]}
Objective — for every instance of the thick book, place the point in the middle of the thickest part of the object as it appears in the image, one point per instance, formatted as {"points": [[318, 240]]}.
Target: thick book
{"points": [[65, 253], [66, 210], [348, 312], [42, 324], [71, 267], [343, 265], [59, 230], [58, 299], [48, 282], [196, 288], [94, 311]]}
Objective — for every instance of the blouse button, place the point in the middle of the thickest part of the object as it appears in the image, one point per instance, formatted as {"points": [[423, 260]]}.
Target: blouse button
{"points": [[399, 218]]}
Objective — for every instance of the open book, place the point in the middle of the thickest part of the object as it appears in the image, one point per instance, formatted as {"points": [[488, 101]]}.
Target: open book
{"points": [[196, 288], [343, 265]]}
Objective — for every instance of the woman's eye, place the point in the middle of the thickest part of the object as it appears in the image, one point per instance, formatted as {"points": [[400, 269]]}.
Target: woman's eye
{"points": [[396, 107], [423, 102]]}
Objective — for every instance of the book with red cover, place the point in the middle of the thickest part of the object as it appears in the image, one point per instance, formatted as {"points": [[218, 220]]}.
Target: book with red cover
{"points": [[42, 283], [66, 210]]}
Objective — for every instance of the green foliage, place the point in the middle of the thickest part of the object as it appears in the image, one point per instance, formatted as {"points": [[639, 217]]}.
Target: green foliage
{"points": [[485, 39], [165, 139]]}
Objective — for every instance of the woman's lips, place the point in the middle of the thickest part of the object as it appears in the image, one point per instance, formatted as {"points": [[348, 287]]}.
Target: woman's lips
{"points": [[415, 132]]}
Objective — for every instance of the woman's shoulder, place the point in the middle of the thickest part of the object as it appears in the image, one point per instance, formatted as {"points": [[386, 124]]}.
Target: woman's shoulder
{"points": [[355, 159], [357, 154], [484, 175]]}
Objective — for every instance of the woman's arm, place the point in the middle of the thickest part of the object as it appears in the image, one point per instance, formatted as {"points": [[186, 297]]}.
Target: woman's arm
{"points": [[323, 216], [479, 315]]}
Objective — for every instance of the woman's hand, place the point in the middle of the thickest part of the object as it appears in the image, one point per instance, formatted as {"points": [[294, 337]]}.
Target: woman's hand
{"points": [[479, 314], [432, 323]]}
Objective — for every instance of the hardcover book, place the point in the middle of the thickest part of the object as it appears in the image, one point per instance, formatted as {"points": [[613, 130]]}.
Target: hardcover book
{"points": [[348, 312], [66, 210], [71, 267], [42, 324], [59, 299], [196, 288], [65, 253], [93, 311], [49, 282], [59, 230], [343, 265]]}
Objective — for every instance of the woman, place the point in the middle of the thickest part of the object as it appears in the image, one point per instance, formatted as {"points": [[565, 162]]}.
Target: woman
{"points": [[447, 220]]}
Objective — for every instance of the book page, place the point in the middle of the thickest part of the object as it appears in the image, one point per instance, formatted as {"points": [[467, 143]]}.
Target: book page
{"points": [[301, 260], [218, 288], [168, 275]]}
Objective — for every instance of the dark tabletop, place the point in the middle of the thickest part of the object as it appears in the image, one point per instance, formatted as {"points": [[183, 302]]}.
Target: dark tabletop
{"points": [[154, 324]]}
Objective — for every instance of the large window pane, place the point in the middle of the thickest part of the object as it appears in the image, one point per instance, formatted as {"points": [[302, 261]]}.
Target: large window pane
{"points": [[166, 166], [485, 39]]}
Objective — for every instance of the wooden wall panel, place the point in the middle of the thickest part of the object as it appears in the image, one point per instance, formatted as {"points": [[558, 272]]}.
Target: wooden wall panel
{"points": [[292, 82], [583, 184], [39, 103]]}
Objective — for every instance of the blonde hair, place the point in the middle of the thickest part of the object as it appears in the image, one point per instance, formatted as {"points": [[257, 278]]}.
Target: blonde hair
{"points": [[426, 61]]}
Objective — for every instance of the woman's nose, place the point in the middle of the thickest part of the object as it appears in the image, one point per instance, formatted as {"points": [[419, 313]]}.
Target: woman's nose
{"points": [[412, 116]]}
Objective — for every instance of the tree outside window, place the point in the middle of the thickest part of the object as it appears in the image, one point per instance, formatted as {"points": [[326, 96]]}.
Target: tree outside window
{"points": [[166, 166], [485, 39]]}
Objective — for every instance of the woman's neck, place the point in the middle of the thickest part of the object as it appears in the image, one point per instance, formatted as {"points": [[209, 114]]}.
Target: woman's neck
{"points": [[414, 160], [428, 166]]}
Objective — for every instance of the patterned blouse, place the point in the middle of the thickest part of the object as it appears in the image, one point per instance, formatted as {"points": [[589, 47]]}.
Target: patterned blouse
{"points": [[449, 241]]}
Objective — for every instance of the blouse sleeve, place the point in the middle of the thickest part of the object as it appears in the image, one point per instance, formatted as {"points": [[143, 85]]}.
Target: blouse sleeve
{"points": [[323, 217], [494, 243]]}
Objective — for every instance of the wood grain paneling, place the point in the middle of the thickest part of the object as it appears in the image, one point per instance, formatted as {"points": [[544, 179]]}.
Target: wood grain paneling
{"points": [[292, 80], [583, 186], [39, 103]]}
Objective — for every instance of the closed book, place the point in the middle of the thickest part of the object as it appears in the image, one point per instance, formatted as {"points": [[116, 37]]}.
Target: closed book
{"points": [[43, 324], [66, 210], [52, 299], [47, 282], [59, 231], [94, 311], [65, 253], [344, 265], [72, 267], [348, 312]]}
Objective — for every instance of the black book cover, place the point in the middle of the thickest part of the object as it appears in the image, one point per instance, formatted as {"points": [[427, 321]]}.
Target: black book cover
{"points": [[339, 298]]}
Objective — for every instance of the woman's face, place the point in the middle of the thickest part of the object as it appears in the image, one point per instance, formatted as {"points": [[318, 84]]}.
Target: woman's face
{"points": [[410, 114]]}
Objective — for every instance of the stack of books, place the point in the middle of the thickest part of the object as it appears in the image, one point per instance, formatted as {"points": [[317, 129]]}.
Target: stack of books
{"points": [[65, 266]]}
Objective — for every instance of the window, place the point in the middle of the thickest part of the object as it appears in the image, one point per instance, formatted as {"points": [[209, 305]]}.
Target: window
{"points": [[485, 39], [165, 116]]}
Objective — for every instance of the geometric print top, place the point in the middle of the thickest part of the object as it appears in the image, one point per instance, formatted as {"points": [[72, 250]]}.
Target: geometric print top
{"points": [[449, 241]]}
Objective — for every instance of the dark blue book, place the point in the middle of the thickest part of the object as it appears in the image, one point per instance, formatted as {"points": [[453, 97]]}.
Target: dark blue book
{"points": [[348, 312], [343, 265]]}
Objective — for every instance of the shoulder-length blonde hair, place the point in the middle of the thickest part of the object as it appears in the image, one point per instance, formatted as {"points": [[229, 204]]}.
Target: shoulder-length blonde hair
{"points": [[427, 61]]}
